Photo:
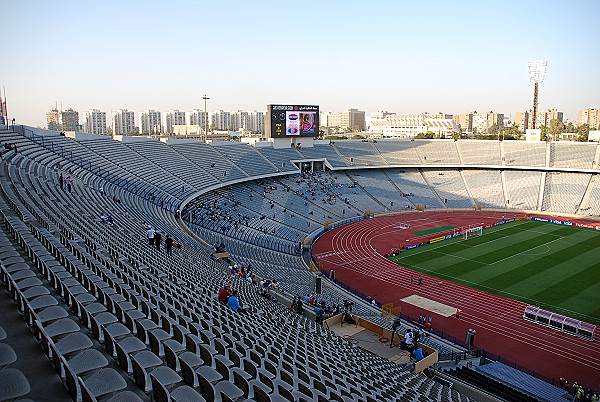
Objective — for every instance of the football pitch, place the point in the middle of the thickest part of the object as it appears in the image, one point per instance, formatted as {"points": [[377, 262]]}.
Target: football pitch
{"points": [[551, 266]]}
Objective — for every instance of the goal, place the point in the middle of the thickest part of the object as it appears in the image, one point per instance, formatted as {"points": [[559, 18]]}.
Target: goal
{"points": [[475, 231]]}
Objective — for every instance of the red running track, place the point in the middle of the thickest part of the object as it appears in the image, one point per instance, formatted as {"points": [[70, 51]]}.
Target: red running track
{"points": [[356, 253]]}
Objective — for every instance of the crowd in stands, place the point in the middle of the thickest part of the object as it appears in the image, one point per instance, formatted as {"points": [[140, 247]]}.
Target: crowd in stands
{"points": [[579, 393], [320, 307]]}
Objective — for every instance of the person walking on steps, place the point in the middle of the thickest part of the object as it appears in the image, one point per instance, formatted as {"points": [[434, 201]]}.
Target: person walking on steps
{"points": [[150, 235], [157, 240], [169, 245]]}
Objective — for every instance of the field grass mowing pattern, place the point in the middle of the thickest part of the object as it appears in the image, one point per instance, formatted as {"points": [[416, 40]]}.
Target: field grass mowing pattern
{"points": [[552, 266]]}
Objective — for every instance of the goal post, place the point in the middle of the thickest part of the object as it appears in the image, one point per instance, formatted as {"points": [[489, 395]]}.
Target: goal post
{"points": [[470, 232]]}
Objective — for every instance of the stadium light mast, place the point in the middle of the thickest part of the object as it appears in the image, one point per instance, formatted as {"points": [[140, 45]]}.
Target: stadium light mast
{"points": [[537, 72], [205, 98]]}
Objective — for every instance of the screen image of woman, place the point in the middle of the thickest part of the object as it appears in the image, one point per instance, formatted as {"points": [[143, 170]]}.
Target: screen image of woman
{"points": [[307, 123]]}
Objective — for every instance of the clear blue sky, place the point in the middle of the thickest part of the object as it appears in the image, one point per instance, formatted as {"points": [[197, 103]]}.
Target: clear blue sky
{"points": [[450, 56]]}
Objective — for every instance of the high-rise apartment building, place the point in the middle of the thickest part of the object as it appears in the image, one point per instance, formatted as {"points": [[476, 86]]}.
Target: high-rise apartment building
{"points": [[238, 120], [65, 120], [482, 122], [351, 120], [256, 122], [174, 117], [95, 122], [543, 118], [220, 120], [590, 117], [53, 119], [465, 121], [151, 122], [124, 122], [69, 120], [199, 118], [522, 120]]}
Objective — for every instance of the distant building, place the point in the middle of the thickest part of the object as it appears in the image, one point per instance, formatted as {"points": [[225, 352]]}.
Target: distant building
{"points": [[187, 130], [349, 120], [482, 122], [238, 120], [410, 125], [95, 122], [124, 122], [522, 120], [151, 122], [174, 117], [220, 120], [69, 120], [53, 119], [199, 118], [256, 122], [544, 118], [590, 117], [465, 121]]}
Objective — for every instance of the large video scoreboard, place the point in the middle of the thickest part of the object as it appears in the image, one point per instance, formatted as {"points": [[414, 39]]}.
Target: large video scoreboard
{"points": [[285, 121]]}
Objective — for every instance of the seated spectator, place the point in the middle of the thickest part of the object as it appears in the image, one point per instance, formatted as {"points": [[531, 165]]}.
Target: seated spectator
{"points": [[233, 302], [224, 294], [418, 354]]}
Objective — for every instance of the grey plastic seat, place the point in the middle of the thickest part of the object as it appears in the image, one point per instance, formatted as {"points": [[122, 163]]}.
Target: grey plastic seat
{"points": [[23, 274], [14, 384], [116, 330], [2, 334], [185, 393], [16, 267], [103, 382], [29, 283], [73, 343], [52, 313], [42, 302], [86, 361], [144, 362], [125, 396], [35, 292], [61, 327], [7, 355]]}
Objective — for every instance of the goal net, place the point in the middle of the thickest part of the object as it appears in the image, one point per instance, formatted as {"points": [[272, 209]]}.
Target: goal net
{"points": [[475, 231]]}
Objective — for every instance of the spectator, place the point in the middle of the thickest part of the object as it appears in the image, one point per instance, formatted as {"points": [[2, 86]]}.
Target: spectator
{"points": [[300, 307], [150, 235], [234, 303], [418, 354], [61, 181], [69, 183], [169, 244], [224, 294], [157, 240], [319, 313]]}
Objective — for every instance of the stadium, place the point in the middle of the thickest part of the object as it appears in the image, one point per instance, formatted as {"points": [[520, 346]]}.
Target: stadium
{"points": [[488, 248]]}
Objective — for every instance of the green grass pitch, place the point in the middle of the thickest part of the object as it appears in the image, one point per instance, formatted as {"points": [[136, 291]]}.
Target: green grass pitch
{"points": [[551, 266]]}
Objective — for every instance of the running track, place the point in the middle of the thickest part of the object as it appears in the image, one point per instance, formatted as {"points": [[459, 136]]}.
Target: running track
{"points": [[356, 253]]}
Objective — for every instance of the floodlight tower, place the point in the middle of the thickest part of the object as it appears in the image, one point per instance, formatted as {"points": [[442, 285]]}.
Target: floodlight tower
{"points": [[537, 72]]}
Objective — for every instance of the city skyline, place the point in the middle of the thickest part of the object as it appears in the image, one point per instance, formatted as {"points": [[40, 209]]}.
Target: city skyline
{"points": [[395, 56]]}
